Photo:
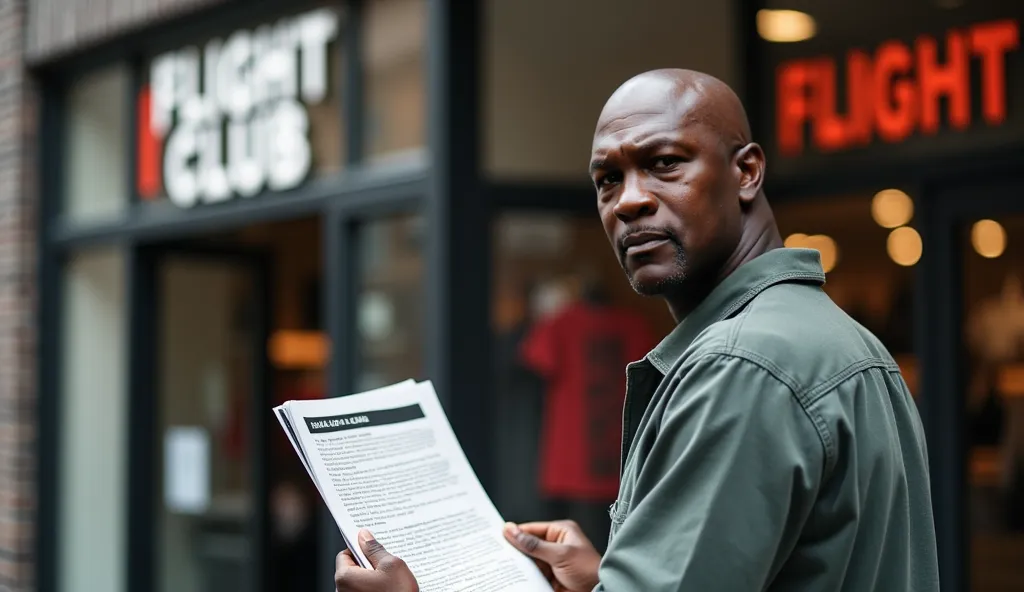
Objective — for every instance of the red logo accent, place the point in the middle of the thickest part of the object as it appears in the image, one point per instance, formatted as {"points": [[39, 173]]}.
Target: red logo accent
{"points": [[149, 179]]}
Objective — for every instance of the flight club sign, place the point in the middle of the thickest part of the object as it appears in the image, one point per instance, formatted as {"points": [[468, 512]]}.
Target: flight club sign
{"points": [[896, 91], [230, 120]]}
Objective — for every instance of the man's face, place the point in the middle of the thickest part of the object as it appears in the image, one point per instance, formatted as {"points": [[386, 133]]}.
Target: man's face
{"points": [[664, 183]]}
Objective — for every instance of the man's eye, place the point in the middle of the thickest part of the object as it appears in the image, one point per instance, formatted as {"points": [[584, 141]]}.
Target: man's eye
{"points": [[665, 162], [607, 179]]}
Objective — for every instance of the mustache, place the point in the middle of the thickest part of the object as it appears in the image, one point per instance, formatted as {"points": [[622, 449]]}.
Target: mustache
{"points": [[632, 230]]}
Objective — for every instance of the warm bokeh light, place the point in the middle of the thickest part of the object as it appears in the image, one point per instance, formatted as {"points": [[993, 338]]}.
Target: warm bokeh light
{"points": [[785, 26], [988, 238], [892, 208], [828, 249], [824, 244], [795, 241], [298, 349], [904, 246]]}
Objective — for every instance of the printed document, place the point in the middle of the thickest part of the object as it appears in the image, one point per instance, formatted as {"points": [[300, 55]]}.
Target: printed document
{"points": [[387, 460]]}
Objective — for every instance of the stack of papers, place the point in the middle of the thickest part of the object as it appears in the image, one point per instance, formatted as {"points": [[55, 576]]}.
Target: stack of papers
{"points": [[387, 460]]}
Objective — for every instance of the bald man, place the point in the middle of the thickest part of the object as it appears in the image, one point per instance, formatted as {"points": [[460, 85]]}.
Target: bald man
{"points": [[770, 442]]}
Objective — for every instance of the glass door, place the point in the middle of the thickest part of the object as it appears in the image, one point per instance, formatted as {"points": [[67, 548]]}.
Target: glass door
{"points": [[211, 419], [992, 251], [977, 374]]}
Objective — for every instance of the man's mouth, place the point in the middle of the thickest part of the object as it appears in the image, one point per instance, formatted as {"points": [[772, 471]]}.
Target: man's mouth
{"points": [[641, 242]]}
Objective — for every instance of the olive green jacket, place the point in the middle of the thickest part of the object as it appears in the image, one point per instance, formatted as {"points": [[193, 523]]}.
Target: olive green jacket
{"points": [[770, 443]]}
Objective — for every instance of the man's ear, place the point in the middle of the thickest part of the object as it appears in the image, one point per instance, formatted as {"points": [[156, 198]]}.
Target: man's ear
{"points": [[749, 164]]}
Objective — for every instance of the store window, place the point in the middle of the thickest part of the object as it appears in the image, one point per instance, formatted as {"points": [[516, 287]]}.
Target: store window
{"points": [[93, 423], [868, 248], [562, 302], [390, 308], [257, 109], [993, 298], [548, 68], [394, 53], [204, 388], [95, 152]]}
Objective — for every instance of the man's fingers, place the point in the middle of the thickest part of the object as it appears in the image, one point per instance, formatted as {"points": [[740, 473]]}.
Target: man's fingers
{"points": [[531, 544], [345, 559], [349, 576], [538, 529], [355, 578], [544, 567], [375, 552]]}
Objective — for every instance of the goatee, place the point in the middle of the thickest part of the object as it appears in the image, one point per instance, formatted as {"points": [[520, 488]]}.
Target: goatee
{"points": [[664, 284]]}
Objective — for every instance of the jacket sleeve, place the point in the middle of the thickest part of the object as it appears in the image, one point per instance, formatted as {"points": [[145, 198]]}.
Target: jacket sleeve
{"points": [[725, 488]]}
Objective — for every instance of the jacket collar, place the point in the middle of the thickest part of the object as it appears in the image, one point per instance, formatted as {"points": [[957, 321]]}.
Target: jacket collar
{"points": [[735, 292]]}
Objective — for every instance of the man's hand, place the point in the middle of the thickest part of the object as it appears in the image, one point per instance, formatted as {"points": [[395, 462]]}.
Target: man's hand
{"points": [[389, 573], [562, 551]]}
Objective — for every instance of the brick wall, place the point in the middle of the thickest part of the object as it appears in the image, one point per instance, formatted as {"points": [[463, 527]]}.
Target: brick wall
{"points": [[58, 27], [17, 288]]}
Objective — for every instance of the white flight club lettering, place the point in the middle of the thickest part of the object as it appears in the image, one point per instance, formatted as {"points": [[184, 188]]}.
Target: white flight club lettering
{"points": [[234, 117]]}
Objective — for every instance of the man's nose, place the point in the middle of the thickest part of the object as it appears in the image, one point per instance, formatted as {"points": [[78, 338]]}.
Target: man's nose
{"points": [[635, 201]]}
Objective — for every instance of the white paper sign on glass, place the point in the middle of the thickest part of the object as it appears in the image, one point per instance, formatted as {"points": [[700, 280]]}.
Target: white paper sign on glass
{"points": [[187, 470]]}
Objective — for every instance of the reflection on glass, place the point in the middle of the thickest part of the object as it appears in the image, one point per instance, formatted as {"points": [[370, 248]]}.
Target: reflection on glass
{"points": [[994, 336], [93, 431], [394, 49], [326, 124], [389, 312], [205, 393], [95, 181]]}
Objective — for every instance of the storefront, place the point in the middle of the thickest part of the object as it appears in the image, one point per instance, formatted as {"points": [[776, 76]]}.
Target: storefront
{"points": [[218, 195], [895, 136], [266, 200], [423, 211]]}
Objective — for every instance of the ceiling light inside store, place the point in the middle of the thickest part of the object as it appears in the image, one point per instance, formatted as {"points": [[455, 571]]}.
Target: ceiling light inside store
{"points": [[824, 244], [785, 26], [988, 238], [904, 246], [892, 208]]}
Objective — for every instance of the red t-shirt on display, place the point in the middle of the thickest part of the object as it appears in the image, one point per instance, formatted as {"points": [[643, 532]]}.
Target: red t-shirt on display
{"points": [[582, 352]]}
